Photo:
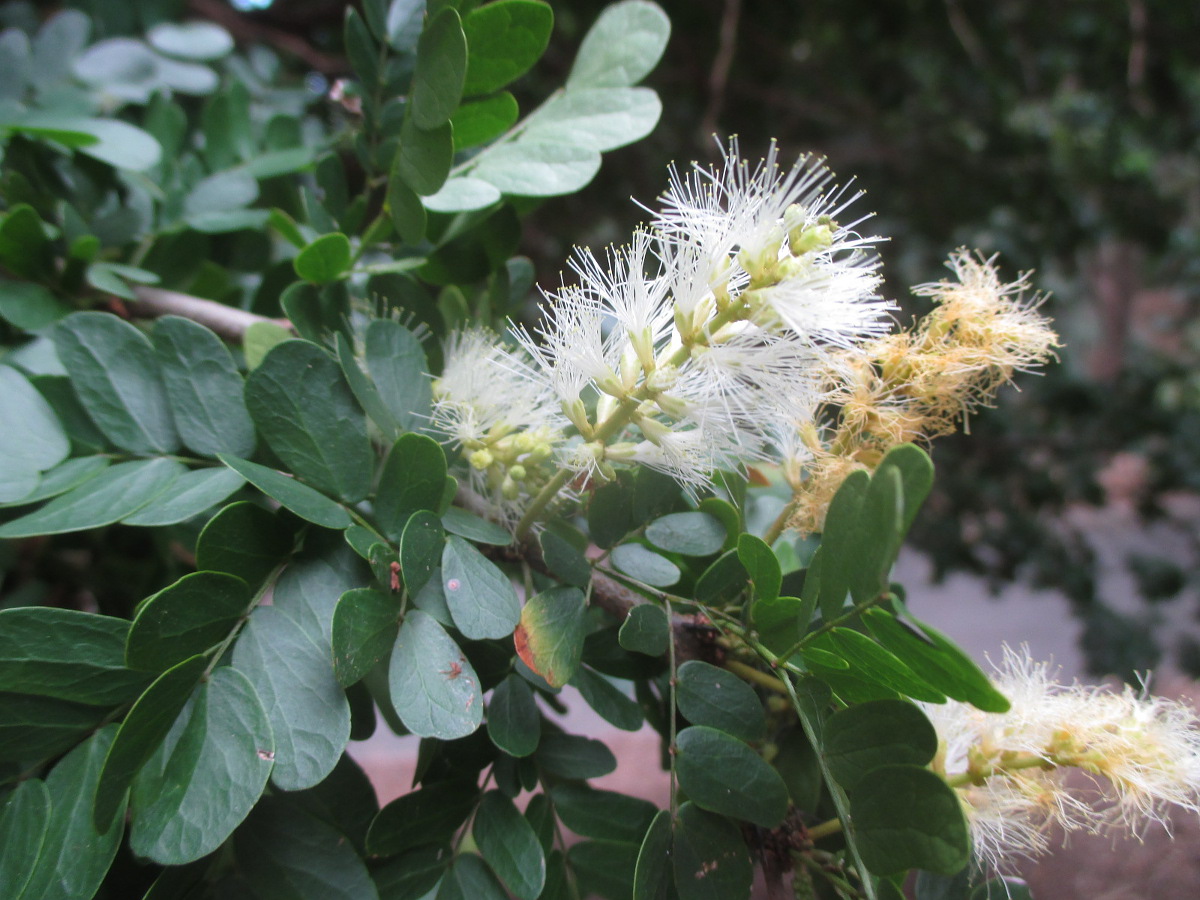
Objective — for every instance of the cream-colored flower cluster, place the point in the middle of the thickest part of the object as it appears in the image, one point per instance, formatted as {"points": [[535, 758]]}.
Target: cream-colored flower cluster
{"points": [[742, 325], [682, 351], [1139, 755]]}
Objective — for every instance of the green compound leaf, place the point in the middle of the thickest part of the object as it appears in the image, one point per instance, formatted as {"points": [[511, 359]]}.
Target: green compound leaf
{"points": [[434, 688], [306, 412], [916, 475], [206, 776], [504, 40], [653, 877], [470, 526], [204, 389], [779, 621], [30, 306], [413, 874], [144, 728], [32, 434], [603, 815], [429, 815], [509, 846], [36, 728], [549, 638], [406, 209], [906, 817], [645, 630], [574, 757], [600, 119], [66, 654], [564, 549], [762, 565], [437, 84], [719, 699], [609, 701], [939, 660], [117, 492], [645, 565], [424, 158], [191, 616], [481, 598], [244, 540], [688, 533], [24, 821], [865, 737], [839, 543], [610, 513], [413, 479], [309, 504], [470, 879], [480, 121], [460, 194], [62, 478], [290, 667], [537, 168], [622, 47], [723, 775], [115, 372], [326, 259], [513, 717], [872, 662], [421, 545], [603, 868], [397, 365], [709, 857], [880, 533], [365, 624], [75, 857], [285, 852], [191, 494], [309, 588]]}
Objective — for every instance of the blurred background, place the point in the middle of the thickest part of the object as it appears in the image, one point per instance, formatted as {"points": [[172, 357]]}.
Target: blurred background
{"points": [[1063, 136]]}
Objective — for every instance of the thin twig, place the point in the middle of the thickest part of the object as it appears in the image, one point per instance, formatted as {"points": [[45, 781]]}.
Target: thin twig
{"points": [[226, 321], [718, 77], [248, 31]]}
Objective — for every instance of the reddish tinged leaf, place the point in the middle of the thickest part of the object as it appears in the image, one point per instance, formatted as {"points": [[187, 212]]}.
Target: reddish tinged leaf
{"points": [[549, 638]]}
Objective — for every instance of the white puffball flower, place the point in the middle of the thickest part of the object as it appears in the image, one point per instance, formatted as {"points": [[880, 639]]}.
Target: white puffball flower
{"points": [[508, 423], [1140, 754], [765, 224]]}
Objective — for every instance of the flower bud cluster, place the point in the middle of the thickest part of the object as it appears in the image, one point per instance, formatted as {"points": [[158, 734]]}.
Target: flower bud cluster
{"points": [[508, 427]]}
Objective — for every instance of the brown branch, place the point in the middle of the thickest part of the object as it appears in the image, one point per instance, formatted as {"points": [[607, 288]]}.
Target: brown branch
{"points": [[226, 321], [718, 78], [247, 31]]}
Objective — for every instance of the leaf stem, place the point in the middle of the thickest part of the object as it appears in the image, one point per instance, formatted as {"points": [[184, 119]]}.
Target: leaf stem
{"points": [[780, 524], [852, 613], [749, 673], [219, 650], [672, 713]]}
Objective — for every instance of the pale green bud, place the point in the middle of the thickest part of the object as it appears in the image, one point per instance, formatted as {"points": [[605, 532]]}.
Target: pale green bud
{"points": [[481, 459]]}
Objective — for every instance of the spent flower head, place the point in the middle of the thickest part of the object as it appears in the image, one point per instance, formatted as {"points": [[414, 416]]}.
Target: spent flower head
{"points": [[1140, 756]]}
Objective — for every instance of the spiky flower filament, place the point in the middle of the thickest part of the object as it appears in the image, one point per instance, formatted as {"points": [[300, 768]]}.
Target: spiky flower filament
{"points": [[1141, 755], [920, 383]]}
